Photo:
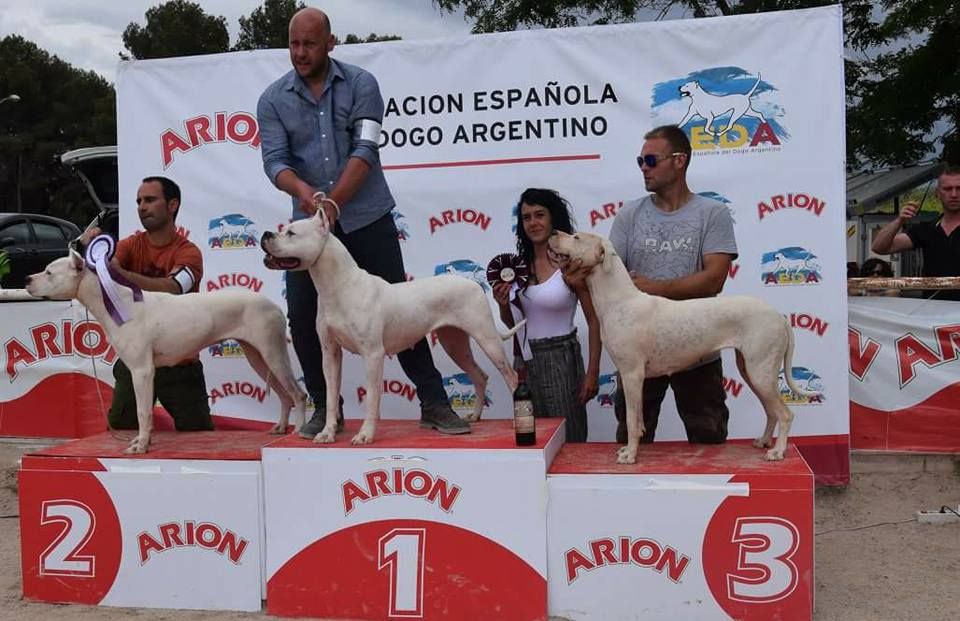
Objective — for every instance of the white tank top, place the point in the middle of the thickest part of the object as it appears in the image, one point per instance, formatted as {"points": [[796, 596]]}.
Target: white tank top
{"points": [[548, 308]]}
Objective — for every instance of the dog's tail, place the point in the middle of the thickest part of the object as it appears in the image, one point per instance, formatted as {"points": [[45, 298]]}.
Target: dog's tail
{"points": [[755, 85], [788, 364], [513, 330]]}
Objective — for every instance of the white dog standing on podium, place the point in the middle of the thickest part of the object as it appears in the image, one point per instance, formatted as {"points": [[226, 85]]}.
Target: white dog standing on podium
{"points": [[164, 329], [366, 315], [650, 336]]}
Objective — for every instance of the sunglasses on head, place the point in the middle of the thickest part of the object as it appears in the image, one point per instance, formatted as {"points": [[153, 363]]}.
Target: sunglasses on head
{"points": [[652, 159]]}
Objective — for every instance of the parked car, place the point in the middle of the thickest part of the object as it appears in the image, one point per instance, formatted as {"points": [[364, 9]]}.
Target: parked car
{"points": [[97, 168], [31, 241]]}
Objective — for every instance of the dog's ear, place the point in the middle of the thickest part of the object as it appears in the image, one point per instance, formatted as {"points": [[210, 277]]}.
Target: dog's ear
{"points": [[322, 223], [76, 260]]}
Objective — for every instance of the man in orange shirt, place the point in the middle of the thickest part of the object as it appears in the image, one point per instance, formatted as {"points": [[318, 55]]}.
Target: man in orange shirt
{"points": [[159, 258]]}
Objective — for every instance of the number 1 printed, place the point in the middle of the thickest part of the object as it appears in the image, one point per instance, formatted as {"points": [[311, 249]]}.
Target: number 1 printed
{"points": [[401, 550]]}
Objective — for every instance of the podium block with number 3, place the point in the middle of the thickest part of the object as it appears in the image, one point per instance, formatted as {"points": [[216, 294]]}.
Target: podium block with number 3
{"points": [[689, 531], [418, 525]]}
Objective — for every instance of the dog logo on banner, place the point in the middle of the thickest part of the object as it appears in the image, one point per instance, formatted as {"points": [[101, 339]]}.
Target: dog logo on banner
{"points": [[232, 231], [462, 394], [791, 266], [807, 380], [608, 388], [466, 268], [722, 110], [229, 348]]}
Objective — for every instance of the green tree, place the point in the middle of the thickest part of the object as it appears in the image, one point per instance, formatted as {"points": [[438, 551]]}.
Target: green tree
{"points": [[266, 26], [905, 101], [176, 28], [40, 127], [371, 38]]}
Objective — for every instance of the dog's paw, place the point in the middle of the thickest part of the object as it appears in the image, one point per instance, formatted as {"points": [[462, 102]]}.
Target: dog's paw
{"points": [[325, 437], [362, 438], [626, 455], [774, 455], [138, 446], [762, 443], [366, 433], [279, 429]]}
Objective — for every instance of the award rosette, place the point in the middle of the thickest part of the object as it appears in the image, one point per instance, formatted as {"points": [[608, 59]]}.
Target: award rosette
{"points": [[97, 257], [509, 268]]}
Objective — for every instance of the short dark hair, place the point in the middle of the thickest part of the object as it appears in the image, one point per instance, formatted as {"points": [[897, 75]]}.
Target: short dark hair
{"points": [[675, 137], [876, 264], [949, 168], [171, 190], [560, 218]]}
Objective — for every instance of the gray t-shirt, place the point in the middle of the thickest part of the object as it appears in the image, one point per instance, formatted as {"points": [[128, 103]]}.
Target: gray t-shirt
{"points": [[667, 245]]}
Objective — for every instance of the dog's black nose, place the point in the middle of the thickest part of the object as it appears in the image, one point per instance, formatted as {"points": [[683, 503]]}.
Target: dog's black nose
{"points": [[28, 279], [263, 239]]}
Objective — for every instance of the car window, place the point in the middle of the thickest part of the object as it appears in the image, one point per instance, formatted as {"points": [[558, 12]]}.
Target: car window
{"points": [[19, 231], [49, 234]]}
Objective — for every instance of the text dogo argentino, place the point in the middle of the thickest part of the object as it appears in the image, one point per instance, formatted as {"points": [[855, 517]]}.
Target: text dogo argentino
{"points": [[366, 315], [650, 336], [164, 329]]}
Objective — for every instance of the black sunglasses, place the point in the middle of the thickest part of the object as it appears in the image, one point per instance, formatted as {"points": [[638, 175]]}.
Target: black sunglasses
{"points": [[652, 159]]}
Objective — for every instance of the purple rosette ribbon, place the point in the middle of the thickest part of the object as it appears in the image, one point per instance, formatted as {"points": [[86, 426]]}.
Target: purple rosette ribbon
{"points": [[97, 257]]}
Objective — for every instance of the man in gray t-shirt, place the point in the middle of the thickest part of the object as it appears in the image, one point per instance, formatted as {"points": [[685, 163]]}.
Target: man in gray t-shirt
{"points": [[677, 245]]}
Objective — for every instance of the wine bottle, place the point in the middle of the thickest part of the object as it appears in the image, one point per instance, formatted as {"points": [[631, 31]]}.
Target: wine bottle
{"points": [[524, 424]]}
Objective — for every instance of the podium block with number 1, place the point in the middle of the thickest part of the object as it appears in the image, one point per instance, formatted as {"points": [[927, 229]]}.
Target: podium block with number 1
{"points": [[417, 525]]}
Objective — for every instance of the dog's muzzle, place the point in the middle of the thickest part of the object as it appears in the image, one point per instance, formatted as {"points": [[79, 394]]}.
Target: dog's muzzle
{"points": [[276, 263], [557, 258]]}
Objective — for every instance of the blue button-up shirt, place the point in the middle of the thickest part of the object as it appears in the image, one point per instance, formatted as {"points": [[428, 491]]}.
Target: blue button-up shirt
{"points": [[314, 137]]}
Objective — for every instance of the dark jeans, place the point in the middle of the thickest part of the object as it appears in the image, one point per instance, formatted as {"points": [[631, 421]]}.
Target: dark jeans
{"points": [[181, 390], [700, 398], [376, 249]]}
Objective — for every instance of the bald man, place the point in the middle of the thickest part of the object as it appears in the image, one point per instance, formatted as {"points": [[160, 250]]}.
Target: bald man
{"points": [[320, 131]]}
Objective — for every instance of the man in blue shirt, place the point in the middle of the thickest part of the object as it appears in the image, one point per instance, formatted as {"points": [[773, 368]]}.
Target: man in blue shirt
{"points": [[320, 131]]}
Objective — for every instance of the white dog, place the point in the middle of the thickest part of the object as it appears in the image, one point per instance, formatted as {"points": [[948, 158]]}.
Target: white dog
{"points": [[710, 106], [650, 336], [164, 329], [364, 314]]}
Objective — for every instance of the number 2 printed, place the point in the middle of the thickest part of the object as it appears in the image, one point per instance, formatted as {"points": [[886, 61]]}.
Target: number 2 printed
{"points": [[401, 551], [62, 558]]}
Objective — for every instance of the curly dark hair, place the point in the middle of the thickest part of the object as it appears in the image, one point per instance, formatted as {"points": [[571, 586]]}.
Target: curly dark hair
{"points": [[560, 217], [876, 267]]}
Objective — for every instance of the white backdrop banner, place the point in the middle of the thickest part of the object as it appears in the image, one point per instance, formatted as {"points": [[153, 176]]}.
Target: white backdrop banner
{"points": [[903, 374], [471, 122]]}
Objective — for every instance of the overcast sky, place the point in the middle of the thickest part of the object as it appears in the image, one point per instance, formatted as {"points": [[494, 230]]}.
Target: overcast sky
{"points": [[87, 33]]}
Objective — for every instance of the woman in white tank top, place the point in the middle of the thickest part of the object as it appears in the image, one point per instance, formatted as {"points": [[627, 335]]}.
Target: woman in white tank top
{"points": [[550, 350]]}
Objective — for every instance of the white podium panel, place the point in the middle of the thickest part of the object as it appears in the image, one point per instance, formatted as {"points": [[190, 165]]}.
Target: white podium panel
{"points": [[689, 532], [416, 525], [180, 527]]}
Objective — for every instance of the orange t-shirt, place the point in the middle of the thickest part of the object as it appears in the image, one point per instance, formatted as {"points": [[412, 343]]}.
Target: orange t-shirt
{"points": [[136, 254]]}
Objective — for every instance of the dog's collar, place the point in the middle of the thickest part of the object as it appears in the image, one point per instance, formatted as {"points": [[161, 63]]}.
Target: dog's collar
{"points": [[97, 259]]}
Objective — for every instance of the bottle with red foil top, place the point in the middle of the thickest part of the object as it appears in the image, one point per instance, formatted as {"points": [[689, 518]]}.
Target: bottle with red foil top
{"points": [[524, 424]]}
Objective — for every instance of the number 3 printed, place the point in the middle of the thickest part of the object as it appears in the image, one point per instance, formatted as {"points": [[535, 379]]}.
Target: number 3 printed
{"points": [[765, 569], [401, 550], [62, 558]]}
